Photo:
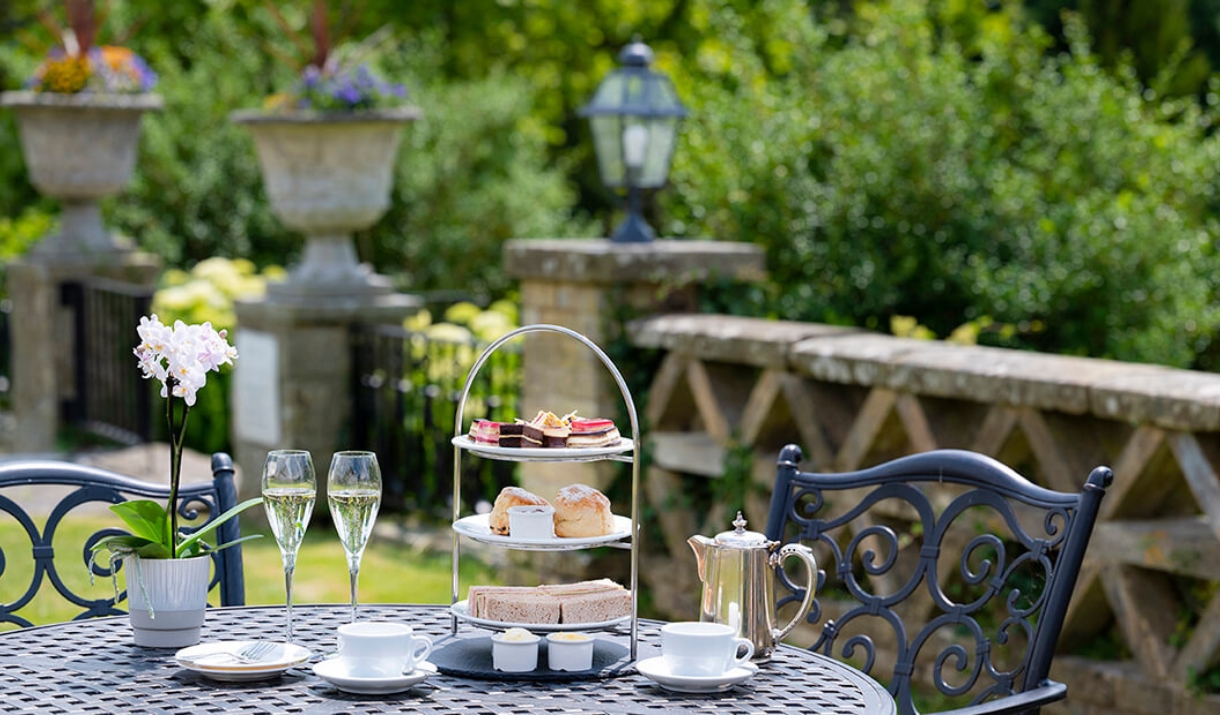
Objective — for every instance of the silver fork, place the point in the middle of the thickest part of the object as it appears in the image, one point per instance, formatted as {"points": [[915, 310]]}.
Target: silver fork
{"points": [[250, 653]]}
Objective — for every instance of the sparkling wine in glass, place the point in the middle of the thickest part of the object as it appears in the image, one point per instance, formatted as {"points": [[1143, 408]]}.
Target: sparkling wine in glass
{"points": [[289, 490], [353, 489]]}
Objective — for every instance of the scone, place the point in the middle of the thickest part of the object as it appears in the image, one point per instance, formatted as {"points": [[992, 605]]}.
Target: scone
{"points": [[581, 511], [511, 496]]}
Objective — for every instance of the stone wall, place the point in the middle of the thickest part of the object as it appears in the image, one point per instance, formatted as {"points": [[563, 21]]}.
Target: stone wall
{"points": [[852, 399]]}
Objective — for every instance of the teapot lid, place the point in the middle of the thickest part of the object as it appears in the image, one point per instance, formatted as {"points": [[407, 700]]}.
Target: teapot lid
{"points": [[741, 538]]}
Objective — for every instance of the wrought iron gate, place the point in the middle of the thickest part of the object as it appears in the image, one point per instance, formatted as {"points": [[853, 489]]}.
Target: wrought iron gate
{"points": [[405, 391], [107, 397]]}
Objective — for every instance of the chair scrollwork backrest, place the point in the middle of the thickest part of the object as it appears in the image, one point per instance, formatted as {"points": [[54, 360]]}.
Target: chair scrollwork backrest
{"points": [[945, 567], [22, 503]]}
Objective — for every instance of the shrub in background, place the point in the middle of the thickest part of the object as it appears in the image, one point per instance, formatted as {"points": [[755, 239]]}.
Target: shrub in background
{"points": [[18, 235], [889, 173]]}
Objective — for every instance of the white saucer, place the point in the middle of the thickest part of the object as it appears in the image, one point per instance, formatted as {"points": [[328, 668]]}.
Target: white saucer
{"points": [[657, 670], [332, 672], [209, 659]]}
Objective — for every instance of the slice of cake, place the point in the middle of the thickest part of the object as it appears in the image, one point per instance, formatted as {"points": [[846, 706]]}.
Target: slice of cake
{"points": [[592, 433], [555, 437], [485, 432], [520, 434], [554, 428]]}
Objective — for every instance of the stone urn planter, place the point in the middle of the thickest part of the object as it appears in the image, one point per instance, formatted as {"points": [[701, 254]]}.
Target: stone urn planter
{"points": [[328, 174], [167, 599], [79, 148]]}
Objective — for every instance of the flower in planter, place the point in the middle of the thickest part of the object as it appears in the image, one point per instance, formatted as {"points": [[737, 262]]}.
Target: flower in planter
{"points": [[79, 65], [333, 79], [101, 69], [339, 90], [180, 358]]}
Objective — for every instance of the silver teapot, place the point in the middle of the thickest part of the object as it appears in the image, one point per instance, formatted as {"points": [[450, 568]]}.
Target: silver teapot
{"points": [[738, 573]]}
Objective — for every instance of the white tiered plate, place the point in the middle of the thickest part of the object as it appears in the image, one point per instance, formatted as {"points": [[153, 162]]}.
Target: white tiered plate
{"points": [[566, 454], [210, 660], [478, 527], [332, 671], [461, 610], [656, 670]]}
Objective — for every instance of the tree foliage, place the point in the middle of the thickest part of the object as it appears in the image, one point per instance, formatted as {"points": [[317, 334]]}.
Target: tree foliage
{"points": [[949, 161], [893, 171]]}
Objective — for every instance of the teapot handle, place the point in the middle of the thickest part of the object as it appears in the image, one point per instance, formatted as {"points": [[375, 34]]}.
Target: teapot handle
{"points": [[804, 553]]}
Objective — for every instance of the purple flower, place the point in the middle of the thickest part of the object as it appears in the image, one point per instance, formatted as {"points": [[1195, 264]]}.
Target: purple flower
{"points": [[346, 89], [312, 76]]}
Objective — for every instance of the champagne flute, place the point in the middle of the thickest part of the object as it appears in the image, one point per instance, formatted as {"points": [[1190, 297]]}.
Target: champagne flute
{"points": [[289, 490], [353, 489]]}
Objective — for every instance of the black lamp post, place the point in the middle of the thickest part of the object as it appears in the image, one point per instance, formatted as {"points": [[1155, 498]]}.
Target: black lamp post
{"points": [[634, 117]]}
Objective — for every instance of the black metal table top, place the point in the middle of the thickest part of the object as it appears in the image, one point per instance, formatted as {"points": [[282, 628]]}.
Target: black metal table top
{"points": [[91, 666]]}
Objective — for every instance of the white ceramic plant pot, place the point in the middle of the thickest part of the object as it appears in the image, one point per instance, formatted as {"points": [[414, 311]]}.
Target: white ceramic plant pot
{"points": [[328, 174], [80, 148], [167, 599]]}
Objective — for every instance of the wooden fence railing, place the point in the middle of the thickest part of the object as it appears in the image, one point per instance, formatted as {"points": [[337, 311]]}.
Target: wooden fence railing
{"points": [[731, 391]]}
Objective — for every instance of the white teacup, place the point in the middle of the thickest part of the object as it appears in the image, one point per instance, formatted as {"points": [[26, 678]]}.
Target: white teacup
{"points": [[378, 649], [698, 649]]}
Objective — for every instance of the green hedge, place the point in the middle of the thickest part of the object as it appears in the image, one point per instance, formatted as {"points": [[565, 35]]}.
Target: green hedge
{"points": [[888, 172]]}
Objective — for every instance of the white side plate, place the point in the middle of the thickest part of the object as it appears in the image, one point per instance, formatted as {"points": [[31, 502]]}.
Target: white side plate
{"points": [[210, 660], [461, 610], [478, 527]]}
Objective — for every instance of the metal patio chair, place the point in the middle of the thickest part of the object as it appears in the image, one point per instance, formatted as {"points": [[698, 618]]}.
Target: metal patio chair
{"points": [[945, 567], [197, 504]]}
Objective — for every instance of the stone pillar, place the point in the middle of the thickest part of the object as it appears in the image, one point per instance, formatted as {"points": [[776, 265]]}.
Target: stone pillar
{"points": [[291, 384], [590, 285], [44, 357]]}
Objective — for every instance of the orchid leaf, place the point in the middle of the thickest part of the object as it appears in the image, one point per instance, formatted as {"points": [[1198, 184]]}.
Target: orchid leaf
{"points": [[124, 544], [235, 542], [153, 551], [200, 548], [188, 544], [144, 518]]}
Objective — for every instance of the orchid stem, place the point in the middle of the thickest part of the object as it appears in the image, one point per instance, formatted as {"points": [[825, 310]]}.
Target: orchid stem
{"points": [[177, 435]]}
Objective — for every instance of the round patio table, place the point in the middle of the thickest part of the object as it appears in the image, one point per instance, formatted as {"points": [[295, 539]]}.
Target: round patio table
{"points": [[91, 666]]}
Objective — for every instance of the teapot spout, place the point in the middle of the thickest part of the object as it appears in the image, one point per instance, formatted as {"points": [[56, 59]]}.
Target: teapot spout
{"points": [[699, 544]]}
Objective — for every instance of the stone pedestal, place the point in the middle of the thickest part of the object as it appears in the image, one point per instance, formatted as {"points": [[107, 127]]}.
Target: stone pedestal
{"points": [[328, 174], [590, 286], [292, 380], [42, 337]]}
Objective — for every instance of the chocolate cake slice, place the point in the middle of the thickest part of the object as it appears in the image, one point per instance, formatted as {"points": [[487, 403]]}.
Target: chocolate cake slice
{"points": [[520, 435]]}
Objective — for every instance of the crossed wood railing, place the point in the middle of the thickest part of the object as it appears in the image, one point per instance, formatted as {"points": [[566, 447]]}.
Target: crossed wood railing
{"points": [[1151, 581]]}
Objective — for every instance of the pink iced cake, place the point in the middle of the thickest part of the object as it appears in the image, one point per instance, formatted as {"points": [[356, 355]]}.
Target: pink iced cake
{"points": [[592, 433], [485, 432]]}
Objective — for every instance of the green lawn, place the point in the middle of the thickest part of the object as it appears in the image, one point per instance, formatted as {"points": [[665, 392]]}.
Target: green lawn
{"points": [[390, 572]]}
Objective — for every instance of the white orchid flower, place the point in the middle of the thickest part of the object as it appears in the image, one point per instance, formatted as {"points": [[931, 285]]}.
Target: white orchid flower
{"points": [[181, 357]]}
